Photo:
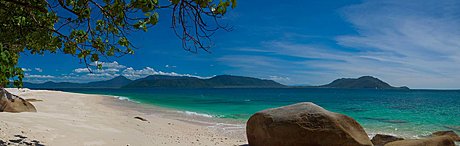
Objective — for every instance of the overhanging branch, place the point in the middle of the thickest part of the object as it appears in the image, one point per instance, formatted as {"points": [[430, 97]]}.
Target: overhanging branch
{"points": [[27, 5]]}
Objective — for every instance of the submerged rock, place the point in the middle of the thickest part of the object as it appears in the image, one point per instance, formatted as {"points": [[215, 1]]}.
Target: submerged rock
{"points": [[304, 124], [454, 128], [432, 141], [384, 120], [381, 139], [13, 103], [450, 133]]}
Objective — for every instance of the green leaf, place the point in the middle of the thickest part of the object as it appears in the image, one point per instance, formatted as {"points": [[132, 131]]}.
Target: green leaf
{"points": [[175, 1], [94, 57], [233, 3], [154, 18]]}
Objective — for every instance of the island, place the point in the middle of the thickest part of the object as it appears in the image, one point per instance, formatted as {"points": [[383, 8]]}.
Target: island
{"points": [[364, 82]]}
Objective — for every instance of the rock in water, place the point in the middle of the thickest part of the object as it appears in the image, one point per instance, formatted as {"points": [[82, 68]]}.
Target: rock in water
{"points": [[304, 124], [447, 133], [381, 139], [432, 141], [13, 103]]}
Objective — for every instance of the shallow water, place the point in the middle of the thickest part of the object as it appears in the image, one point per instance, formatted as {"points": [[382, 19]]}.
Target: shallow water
{"points": [[405, 113]]}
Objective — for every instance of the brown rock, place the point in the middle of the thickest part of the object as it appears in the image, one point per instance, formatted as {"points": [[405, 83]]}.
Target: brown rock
{"points": [[432, 141], [13, 103], [447, 133], [304, 124], [381, 139]]}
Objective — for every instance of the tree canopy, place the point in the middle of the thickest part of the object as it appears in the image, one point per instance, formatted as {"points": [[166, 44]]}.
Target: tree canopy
{"points": [[92, 29]]}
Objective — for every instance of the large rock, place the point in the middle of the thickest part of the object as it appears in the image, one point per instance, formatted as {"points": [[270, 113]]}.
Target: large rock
{"points": [[13, 103], [304, 124], [381, 139], [432, 141], [447, 133]]}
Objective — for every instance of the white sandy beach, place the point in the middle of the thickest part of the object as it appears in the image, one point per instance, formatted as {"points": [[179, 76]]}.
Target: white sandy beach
{"points": [[81, 119]]}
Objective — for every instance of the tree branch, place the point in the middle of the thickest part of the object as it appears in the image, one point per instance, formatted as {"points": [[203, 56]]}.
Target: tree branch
{"points": [[27, 5]]}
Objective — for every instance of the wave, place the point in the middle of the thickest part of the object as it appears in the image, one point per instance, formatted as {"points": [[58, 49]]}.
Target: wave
{"points": [[124, 98], [196, 114], [226, 126], [403, 134]]}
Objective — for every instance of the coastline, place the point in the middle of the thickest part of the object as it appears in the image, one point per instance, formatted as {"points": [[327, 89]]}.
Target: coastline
{"points": [[65, 118]]}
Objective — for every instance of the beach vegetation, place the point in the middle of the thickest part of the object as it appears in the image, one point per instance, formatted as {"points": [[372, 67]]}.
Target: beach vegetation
{"points": [[95, 29]]}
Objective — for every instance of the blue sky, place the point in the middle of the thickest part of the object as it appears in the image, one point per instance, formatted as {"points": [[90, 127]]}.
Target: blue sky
{"points": [[404, 42]]}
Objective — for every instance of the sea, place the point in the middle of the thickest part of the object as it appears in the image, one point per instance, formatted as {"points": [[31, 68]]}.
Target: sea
{"points": [[404, 113]]}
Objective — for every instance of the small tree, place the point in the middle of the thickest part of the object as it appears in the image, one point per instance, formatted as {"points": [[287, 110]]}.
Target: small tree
{"points": [[91, 29]]}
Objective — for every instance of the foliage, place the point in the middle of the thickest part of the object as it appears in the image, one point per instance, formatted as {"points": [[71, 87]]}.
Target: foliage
{"points": [[92, 29]]}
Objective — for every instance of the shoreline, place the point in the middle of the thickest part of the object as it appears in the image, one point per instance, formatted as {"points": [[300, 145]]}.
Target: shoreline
{"points": [[221, 125], [65, 118]]}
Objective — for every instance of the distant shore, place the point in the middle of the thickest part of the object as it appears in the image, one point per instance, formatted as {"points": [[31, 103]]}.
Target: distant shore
{"points": [[83, 119]]}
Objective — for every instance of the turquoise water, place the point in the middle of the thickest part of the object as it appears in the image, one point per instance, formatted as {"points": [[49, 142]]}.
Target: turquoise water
{"points": [[406, 113]]}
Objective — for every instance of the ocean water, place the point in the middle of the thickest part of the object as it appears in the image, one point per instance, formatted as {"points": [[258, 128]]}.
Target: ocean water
{"points": [[406, 113]]}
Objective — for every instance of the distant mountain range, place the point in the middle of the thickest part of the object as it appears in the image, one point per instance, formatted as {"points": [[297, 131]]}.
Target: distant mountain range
{"points": [[221, 81], [116, 82], [163, 81]]}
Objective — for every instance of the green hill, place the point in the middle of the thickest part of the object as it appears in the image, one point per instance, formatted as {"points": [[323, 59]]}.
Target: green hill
{"points": [[364, 82], [221, 81]]}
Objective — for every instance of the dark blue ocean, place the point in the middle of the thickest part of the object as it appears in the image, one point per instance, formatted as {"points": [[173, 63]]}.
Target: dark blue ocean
{"points": [[408, 113]]}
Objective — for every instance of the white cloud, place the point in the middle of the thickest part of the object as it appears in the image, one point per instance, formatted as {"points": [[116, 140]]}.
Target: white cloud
{"points": [[39, 76], [170, 66], [86, 70], [279, 79], [410, 40], [93, 73], [26, 69], [132, 73], [113, 64], [81, 70], [39, 69], [109, 71], [136, 74], [402, 42]]}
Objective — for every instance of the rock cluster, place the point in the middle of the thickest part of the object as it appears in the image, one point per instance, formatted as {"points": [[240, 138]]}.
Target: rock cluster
{"points": [[431, 141], [20, 140], [304, 124], [307, 124]]}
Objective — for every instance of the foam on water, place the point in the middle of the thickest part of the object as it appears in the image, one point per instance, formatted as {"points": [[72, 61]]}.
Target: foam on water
{"points": [[196, 114], [124, 98]]}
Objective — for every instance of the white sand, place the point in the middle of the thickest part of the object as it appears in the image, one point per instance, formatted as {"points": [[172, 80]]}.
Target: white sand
{"points": [[81, 119]]}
